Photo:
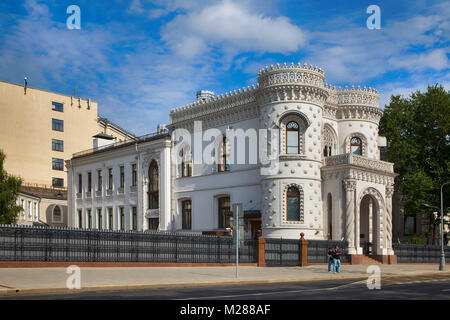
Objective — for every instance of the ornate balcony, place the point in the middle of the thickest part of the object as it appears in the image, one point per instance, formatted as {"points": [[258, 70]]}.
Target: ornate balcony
{"points": [[358, 161]]}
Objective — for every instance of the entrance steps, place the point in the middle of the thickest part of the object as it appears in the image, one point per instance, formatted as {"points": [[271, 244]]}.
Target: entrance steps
{"points": [[369, 260]]}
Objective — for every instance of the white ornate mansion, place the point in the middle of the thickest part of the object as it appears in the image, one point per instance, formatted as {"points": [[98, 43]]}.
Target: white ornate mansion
{"points": [[326, 178]]}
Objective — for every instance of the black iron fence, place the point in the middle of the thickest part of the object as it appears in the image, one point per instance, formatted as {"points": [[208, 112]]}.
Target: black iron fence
{"points": [[281, 252], [22, 243], [318, 250], [417, 253]]}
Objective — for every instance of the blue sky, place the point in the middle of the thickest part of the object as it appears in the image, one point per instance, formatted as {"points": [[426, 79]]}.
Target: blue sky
{"points": [[141, 58]]}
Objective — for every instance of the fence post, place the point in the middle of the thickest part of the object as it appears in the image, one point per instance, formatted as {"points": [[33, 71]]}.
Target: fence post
{"points": [[261, 252], [302, 251]]}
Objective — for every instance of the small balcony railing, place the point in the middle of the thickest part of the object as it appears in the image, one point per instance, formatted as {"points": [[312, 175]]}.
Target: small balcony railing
{"points": [[353, 159]]}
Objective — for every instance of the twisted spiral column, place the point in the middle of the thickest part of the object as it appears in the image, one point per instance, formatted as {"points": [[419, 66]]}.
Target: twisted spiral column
{"points": [[350, 186], [388, 244]]}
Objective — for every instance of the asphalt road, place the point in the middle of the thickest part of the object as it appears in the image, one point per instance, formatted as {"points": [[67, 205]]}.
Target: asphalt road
{"points": [[435, 287]]}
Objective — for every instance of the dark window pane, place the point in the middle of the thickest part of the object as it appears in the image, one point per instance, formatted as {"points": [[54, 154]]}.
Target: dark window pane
{"points": [[57, 125], [57, 145], [58, 164], [56, 106]]}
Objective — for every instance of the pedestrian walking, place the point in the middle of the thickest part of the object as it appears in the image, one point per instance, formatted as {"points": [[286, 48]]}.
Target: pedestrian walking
{"points": [[330, 259], [337, 259]]}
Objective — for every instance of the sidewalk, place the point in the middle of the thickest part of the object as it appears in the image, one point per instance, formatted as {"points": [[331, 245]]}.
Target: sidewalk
{"points": [[27, 280]]}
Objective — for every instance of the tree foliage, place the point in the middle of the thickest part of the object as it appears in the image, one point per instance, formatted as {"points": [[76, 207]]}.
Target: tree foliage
{"points": [[9, 191], [417, 129]]}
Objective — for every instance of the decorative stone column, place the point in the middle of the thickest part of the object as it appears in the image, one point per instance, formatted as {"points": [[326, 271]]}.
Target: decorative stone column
{"points": [[388, 237], [144, 203], [350, 187]]}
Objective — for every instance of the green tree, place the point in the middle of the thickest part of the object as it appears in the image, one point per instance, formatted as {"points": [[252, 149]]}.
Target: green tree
{"points": [[9, 191], [417, 129]]}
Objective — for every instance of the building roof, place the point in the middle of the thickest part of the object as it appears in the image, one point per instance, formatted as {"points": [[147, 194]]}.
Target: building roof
{"points": [[102, 135], [107, 122], [44, 192], [122, 144]]}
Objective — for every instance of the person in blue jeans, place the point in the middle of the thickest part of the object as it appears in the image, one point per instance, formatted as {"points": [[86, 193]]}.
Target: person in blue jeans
{"points": [[337, 259], [330, 259]]}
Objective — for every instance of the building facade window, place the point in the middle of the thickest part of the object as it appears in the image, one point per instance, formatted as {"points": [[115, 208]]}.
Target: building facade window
{"points": [[57, 125], [293, 204], [122, 218], [134, 218], [99, 180], [89, 181], [356, 146], [134, 175], [80, 219], [410, 225], [100, 218], [57, 214], [110, 219], [153, 223], [153, 190], [186, 213], [224, 207], [56, 106], [89, 218], [80, 183], [224, 161], [110, 179], [186, 163], [292, 138], [57, 145], [328, 141], [58, 164], [58, 182], [122, 177]]}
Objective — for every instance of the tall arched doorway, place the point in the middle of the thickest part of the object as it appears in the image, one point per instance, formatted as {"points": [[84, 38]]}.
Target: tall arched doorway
{"points": [[369, 213]]}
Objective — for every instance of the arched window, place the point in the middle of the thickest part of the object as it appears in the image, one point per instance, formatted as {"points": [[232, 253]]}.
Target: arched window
{"points": [[292, 138], [57, 214], [293, 204], [356, 146], [153, 189], [328, 141]]}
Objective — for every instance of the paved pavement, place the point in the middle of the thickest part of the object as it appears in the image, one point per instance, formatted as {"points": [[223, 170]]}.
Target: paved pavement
{"points": [[35, 280]]}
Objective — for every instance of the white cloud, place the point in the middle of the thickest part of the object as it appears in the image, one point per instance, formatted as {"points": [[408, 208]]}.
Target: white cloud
{"points": [[231, 25], [435, 59]]}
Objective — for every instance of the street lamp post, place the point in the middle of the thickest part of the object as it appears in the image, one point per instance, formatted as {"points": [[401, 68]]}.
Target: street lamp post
{"points": [[442, 261], [442, 264]]}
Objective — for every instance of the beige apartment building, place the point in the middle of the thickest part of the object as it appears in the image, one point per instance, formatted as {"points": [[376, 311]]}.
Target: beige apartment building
{"points": [[39, 130]]}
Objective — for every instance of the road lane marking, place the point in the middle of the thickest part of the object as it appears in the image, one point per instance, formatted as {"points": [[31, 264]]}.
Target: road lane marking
{"points": [[272, 292]]}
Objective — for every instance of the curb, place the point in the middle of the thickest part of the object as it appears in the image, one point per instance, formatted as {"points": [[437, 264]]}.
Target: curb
{"points": [[16, 291]]}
